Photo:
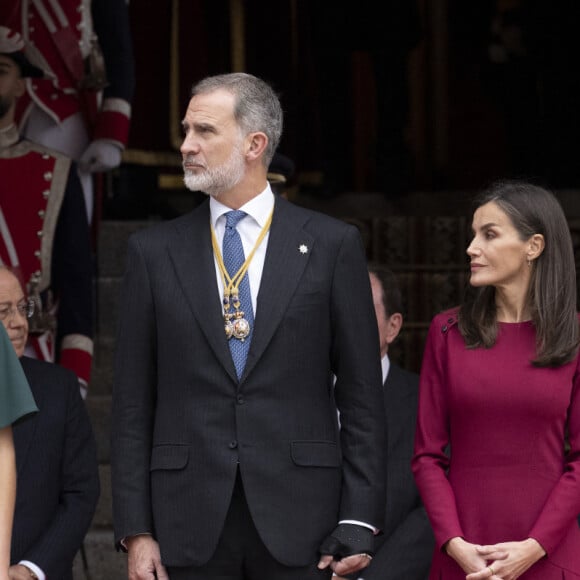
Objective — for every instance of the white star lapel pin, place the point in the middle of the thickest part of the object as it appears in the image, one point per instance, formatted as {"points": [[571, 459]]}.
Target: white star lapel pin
{"points": [[303, 249]]}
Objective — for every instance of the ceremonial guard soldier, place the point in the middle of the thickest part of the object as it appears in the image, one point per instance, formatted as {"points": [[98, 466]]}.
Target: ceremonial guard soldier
{"points": [[44, 232], [82, 107]]}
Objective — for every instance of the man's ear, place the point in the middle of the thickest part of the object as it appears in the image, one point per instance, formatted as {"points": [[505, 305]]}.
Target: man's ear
{"points": [[394, 324], [256, 145]]}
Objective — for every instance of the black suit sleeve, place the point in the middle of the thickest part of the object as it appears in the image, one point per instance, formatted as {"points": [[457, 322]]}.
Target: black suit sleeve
{"points": [[57, 543], [358, 391], [406, 553]]}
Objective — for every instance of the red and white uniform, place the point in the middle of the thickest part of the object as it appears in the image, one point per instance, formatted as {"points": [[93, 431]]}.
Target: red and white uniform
{"points": [[60, 111], [45, 238], [61, 31]]}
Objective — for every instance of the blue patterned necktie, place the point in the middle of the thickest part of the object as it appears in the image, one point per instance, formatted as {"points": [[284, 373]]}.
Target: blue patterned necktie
{"points": [[233, 256]]}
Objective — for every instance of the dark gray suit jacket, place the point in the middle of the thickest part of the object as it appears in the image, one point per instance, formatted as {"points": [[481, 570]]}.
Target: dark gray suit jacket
{"points": [[405, 549], [58, 478], [183, 423]]}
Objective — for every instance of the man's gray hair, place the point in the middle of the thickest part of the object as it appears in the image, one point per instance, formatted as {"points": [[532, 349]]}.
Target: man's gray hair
{"points": [[257, 106]]}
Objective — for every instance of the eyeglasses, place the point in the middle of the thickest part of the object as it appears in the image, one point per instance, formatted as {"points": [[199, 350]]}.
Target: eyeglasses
{"points": [[25, 309]]}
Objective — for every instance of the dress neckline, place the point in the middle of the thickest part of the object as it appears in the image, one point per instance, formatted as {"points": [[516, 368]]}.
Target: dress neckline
{"points": [[516, 324]]}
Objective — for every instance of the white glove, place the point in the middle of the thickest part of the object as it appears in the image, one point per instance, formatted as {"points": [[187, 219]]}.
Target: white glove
{"points": [[101, 155]]}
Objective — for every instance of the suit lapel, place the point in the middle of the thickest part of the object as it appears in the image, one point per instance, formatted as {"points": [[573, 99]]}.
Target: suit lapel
{"points": [[192, 255], [283, 267]]}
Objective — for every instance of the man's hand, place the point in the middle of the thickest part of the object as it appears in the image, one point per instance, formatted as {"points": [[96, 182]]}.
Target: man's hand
{"points": [[348, 549], [144, 559], [19, 572]]}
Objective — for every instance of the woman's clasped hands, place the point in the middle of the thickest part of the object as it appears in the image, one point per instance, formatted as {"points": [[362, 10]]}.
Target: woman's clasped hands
{"points": [[506, 560]]}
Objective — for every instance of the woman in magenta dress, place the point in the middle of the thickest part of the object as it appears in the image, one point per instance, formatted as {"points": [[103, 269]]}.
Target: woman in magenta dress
{"points": [[497, 447]]}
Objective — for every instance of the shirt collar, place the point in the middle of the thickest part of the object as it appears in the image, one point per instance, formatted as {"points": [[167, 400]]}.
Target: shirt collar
{"points": [[259, 207], [385, 365]]}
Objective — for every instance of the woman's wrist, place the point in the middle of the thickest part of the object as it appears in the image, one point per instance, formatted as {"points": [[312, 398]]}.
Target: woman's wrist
{"points": [[452, 543], [536, 547]]}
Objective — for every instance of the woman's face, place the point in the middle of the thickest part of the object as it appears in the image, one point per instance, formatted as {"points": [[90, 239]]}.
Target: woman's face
{"points": [[498, 256]]}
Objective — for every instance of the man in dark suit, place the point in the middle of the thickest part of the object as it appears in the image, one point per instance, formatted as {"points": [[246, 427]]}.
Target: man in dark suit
{"points": [[56, 459], [404, 551], [228, 463]]}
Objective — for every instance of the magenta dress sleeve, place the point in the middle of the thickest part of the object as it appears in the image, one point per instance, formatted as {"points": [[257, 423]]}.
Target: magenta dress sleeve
{"points": [[430, 461], [550, 527]]}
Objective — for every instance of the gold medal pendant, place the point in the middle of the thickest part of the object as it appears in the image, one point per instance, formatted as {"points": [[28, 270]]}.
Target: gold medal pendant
{"points": [[241, 327], [235, 324]]}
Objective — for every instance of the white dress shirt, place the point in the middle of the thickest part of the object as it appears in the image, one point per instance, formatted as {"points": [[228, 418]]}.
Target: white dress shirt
{"points": [[385, 365], [258, 209]]}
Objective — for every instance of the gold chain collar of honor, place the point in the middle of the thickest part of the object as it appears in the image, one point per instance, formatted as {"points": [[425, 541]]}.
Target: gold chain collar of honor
{"points": [[235, 323]]}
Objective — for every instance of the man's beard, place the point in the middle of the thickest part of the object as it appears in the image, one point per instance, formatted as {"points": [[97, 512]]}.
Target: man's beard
{"points": [[216, 180]]}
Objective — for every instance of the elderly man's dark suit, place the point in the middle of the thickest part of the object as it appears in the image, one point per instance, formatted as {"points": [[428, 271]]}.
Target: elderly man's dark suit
{"points": [[58, 479], [183, 424], [404, 550]]}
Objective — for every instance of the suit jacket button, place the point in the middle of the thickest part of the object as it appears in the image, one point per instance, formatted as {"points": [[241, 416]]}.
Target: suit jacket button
{"points": [[233, 444], [240, 399]]}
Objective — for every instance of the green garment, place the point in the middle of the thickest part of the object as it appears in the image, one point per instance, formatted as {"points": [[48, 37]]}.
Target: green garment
{"points": [[16, 400]]}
